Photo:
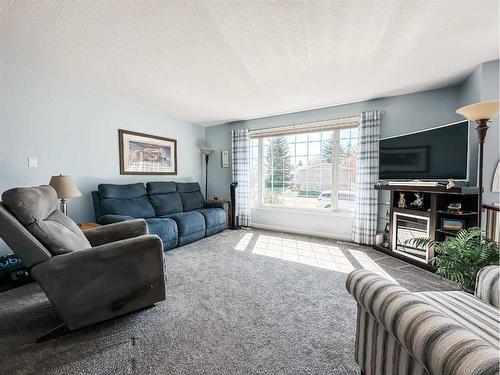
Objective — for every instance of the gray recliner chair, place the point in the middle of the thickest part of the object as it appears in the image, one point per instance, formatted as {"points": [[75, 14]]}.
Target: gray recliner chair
{"points": [[88, 276]]}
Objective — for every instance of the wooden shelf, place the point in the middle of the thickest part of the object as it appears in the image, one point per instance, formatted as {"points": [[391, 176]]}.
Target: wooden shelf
{"points": [[430, 189], [448, 232], [411, 211], [465, 213]]}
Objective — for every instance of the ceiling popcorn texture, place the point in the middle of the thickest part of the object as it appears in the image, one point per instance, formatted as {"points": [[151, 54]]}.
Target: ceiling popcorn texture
{"points": [[210, 62]]}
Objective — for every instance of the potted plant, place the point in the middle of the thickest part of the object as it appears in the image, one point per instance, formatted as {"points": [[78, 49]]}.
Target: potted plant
{"points": [[459, 259]]}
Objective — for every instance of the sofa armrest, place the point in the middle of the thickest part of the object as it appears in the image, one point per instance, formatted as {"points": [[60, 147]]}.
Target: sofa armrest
{"points": [[223, 205], [116, 232], [488, 285], [435, 341], [110, 219], [96, 284]]}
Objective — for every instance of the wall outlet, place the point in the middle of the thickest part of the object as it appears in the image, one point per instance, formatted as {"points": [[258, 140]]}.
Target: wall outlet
{"points": [[32, 162]]}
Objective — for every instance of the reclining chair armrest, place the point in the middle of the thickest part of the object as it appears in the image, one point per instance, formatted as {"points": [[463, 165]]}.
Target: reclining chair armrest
{"points": [[417, 326], [110, 219], [116, 232], [488, 285], [99, 283]]}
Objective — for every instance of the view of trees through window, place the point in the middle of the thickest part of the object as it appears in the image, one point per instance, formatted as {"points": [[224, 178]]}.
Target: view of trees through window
{"points": [[310, 171]]}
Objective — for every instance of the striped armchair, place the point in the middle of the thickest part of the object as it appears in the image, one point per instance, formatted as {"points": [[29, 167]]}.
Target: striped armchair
{"points": [[400, 332]]}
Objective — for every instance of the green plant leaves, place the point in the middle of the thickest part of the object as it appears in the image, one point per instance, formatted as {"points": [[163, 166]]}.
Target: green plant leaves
{"points": [[460, 259]]}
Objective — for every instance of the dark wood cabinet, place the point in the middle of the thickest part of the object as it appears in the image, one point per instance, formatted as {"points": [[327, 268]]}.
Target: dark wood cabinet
{"points": [[432, 220]]}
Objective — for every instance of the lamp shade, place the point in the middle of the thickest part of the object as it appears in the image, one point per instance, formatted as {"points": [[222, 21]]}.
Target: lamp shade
{"points": [[495, 187], [64, 186], [206, 151], [480, 111]]}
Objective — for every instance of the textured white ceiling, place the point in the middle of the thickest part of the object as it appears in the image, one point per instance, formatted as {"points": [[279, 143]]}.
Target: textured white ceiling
{"points": [[210, 62]]}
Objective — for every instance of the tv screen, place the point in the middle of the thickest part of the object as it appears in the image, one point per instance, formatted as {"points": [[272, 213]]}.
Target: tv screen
{"points": [[435, 154]]}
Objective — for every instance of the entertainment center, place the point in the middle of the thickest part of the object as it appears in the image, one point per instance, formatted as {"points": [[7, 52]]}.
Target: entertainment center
{"points": [[414, 168], [434, 220]]}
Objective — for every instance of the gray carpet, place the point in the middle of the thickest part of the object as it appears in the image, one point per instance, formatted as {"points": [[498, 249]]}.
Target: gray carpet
{"points": [[240, 302]]}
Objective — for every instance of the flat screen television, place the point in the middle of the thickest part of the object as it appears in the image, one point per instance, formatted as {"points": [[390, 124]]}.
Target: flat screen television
{"points": [[434, 154]]}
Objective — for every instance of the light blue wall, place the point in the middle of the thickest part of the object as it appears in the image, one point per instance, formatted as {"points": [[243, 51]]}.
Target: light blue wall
{"points": [[404, 113], [73, 130]]}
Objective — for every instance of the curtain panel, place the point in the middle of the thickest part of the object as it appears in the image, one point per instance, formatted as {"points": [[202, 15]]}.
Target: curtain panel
{"points": [[366, 199], [241, 174]]}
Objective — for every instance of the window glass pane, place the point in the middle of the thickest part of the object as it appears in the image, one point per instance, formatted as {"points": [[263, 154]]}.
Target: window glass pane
{"points": [[314, 137], [347, 168], [301, 149], [315, 148], [301, 137], [297, 169]]}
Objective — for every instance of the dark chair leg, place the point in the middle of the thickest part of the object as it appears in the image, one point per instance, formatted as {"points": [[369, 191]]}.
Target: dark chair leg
{"points": [[58, 331]]}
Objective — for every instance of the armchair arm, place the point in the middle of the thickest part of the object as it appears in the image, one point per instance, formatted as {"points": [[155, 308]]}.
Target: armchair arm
{"points": [[435, 341], [109, 219], [488, 285], [116, 232], [96, 284]]}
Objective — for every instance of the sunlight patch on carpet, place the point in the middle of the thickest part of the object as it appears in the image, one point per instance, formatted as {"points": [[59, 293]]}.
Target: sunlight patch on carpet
{"points": [[304, 252], [368, 264]]}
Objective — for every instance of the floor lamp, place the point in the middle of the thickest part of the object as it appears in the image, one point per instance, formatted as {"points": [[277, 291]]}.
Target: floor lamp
{"points": [[207, 152], [481, 113]]}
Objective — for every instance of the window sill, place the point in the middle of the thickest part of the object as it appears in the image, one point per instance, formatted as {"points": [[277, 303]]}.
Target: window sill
{"points": [[319, 211]]}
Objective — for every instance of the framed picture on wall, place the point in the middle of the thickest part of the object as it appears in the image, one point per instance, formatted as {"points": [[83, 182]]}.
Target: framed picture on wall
{"points": [[144, 154], [225, 159]]}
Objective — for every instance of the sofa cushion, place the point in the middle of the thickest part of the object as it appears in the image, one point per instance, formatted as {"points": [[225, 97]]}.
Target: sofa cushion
{"points": [[166, 229], [128, 200], [164, 197], [36, 209], [213, 216], [479, 317], [191, 196], [190, 226], [215, 220]]}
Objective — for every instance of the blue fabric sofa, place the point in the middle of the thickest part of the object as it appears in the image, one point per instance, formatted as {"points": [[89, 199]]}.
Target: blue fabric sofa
{"points": [[176, 212]]}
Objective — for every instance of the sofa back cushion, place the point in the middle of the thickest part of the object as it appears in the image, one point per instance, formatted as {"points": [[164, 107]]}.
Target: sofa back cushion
{"points": [[37, 210], [164, 197], [128, 200], [190, 194]]}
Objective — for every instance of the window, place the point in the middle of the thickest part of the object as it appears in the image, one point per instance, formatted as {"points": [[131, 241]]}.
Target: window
{"points": [[314, 170]]}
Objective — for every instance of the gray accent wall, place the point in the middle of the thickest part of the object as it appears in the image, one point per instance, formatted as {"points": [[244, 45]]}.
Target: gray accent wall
{"points": [[74, 130]]}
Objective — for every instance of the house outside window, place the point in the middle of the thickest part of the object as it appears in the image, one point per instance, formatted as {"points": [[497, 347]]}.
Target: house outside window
{"points": [[308, 170]]}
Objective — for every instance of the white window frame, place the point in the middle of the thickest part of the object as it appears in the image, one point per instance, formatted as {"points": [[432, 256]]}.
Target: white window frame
{"points": [[330, 125]]}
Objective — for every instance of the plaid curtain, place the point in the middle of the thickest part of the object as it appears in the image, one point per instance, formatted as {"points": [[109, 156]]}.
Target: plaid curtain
{"points": [[365, 206], [241, 174]]}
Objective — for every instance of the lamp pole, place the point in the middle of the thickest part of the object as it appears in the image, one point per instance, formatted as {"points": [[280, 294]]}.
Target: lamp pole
{"points": [[206, 176], [481, 113], [482, 129], [206, 152]]}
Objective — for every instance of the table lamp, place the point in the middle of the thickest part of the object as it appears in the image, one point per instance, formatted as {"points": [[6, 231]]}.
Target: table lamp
{"points": [[65, 188], [481, 113], [207, 152]]}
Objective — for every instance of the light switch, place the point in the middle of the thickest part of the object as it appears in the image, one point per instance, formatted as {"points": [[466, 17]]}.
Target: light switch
{"points": [[32, 162]]}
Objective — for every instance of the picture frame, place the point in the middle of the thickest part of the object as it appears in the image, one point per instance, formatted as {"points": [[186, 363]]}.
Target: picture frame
{"points": [[145, 154], [453, 225], [225, 159]]}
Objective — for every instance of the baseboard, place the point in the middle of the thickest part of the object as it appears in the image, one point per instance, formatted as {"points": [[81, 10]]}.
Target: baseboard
{"points": [[275, 228]]}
